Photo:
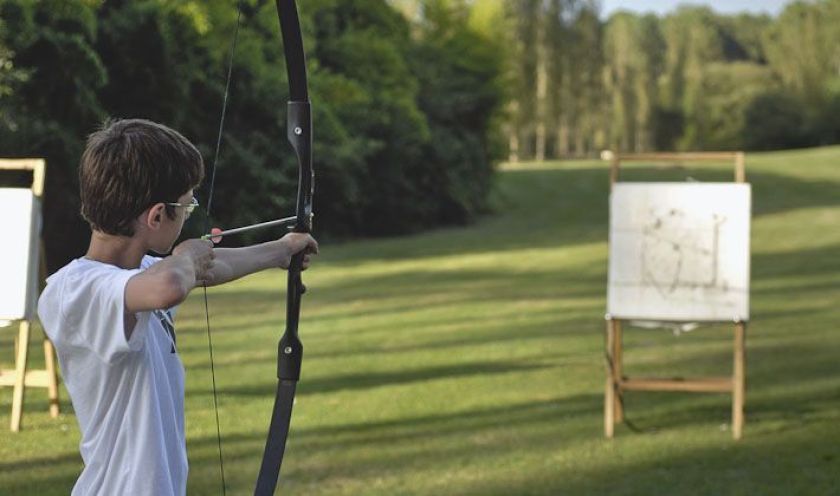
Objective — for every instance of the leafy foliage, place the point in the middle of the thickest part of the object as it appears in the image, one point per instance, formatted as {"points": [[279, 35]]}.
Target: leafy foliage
{"points": [[405, 114], [49, 114]]}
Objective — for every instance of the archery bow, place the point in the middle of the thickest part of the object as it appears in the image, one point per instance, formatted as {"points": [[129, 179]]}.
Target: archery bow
{"points": [[290, 348]]}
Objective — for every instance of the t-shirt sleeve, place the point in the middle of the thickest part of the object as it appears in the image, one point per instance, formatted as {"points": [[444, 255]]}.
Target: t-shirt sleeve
{"points": [[93, 306]]}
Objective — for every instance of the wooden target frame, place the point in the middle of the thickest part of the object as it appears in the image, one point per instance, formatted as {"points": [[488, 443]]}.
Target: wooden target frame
{"points": [[616, 382], [21, 377]]}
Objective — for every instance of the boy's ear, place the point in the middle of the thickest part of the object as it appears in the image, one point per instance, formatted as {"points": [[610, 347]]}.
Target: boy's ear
{"points": [[153, 216]]}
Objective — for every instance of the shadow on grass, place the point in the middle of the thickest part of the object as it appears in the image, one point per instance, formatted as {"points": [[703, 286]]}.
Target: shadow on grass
{"points": [[770, 466], [371, 448], [800, 263], [52, 475], [370, 380], [363, 452]]}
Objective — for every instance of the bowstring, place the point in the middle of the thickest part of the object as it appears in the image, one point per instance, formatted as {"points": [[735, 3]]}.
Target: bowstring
{"points": [[207, 228]]}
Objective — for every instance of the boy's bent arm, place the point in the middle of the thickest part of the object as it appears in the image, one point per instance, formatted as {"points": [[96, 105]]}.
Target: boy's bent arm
{"points": [[163, 285]]}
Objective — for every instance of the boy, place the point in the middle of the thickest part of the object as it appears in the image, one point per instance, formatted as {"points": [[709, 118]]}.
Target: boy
{"points": [[110, 313]]}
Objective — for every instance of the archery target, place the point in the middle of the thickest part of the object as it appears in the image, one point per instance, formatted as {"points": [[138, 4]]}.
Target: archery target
{"points": [[19, 253], [679, 251]]}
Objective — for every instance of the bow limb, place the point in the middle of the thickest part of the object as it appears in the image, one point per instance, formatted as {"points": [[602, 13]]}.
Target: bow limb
{"points": [[290, 348]]}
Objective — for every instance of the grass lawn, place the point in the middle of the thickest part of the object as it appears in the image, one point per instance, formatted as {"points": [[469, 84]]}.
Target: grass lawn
{"points": [[470, 361]]}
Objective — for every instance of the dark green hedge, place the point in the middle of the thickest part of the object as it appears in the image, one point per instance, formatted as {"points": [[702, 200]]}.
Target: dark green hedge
{"points": [[404, 115]]}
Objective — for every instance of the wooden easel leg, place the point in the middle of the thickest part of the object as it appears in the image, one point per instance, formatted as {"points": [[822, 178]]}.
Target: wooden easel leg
{"points": [[738, 381], [52, 377], [49, 349], [609, 390], [618, 370], [21, 354]]}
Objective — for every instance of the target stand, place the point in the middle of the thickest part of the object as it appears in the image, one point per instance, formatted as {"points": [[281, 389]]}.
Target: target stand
{"points": [[674, 261], [24, 270]]}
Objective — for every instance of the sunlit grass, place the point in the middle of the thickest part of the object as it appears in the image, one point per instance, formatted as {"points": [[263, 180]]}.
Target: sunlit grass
{"points": [[469, 361]]}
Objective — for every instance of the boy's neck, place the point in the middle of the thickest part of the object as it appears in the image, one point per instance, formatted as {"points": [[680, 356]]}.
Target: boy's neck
{"points": [[123, 251]]}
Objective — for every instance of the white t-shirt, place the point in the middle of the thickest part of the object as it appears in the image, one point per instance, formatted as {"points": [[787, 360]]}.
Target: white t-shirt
{"points": [[128, 394]]}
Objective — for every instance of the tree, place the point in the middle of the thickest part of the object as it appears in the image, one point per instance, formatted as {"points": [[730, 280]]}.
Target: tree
{"points": [[633, 49], [693, 41], [50, 113]]}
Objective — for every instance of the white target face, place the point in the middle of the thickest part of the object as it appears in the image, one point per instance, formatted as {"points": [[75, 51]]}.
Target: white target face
{"points": [[20, 225], [679, 251]]}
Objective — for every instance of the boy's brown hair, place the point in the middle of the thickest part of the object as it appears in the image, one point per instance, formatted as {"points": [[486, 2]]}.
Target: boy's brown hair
{"points": [[131, 164]]}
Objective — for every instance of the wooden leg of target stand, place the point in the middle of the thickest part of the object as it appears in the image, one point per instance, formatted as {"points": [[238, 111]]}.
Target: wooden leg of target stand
{"points": [[609, 387], [52, 377], [618, 372], [21, 355], [49, 349], [738, 381], [611, 411]]}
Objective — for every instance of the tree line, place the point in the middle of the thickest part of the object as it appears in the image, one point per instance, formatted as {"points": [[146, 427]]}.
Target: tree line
{"points": [[405, 109], [690, 80]]}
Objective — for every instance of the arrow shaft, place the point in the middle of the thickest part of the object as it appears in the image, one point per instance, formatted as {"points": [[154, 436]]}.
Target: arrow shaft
{"points": [[278, 222]]}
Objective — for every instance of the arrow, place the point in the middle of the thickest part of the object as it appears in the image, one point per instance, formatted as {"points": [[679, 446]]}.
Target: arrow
{"points": [[217, 233]]}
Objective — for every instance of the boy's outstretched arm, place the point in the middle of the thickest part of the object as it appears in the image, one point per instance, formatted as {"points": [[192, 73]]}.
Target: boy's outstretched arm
{"points": [[232, 263], [195, 262]]}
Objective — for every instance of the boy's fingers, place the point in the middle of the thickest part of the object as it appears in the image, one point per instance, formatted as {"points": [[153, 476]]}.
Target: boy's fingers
{"points": [[215, 239], [311, 245], [307, 244]]}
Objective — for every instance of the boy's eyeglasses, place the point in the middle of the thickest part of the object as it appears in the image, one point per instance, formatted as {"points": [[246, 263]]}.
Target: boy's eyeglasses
{"points": [[188, 207]]}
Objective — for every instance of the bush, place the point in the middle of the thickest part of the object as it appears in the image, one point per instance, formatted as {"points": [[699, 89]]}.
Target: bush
{"points": [[404, 125], [775, 121]]}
